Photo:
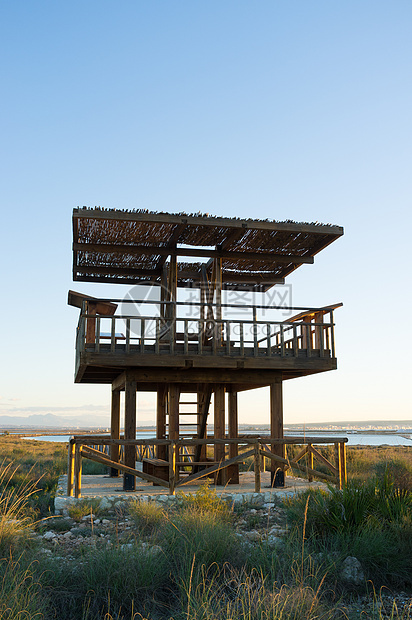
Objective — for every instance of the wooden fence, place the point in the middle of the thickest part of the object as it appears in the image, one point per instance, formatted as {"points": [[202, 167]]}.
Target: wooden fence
{"points": [[93, 448]]}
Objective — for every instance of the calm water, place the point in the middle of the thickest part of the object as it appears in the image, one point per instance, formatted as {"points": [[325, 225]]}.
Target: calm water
{"points": [[354, 439]]}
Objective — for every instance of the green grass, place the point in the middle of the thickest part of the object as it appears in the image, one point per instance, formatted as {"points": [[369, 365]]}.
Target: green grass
{"points": [[188, 563]]}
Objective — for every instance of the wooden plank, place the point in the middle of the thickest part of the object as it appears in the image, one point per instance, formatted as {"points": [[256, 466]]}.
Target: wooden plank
{"points": [[338, 464], [173, 450], [342, 452], [215, 468], [256, 462]]}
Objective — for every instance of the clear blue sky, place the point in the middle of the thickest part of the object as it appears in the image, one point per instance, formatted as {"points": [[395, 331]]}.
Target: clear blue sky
{"points": [[284, 110]]}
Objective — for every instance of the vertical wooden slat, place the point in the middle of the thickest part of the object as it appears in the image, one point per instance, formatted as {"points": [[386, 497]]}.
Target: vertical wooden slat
{"points": [[113, 334], [282, 341], [157, 335], [332, 335], [70, 468], [115, 431], [268, 332], [97, 343], [200, 336], [227, 328], [295, 341], [142, 334], [127, 335], [186, 336], [242, 340]]}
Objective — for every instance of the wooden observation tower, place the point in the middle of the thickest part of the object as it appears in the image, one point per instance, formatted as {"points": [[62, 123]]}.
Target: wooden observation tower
{"points": [[188, 340]]}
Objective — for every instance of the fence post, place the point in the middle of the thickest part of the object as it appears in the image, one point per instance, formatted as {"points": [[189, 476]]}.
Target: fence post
{"points": [[70, 468], [338, 466], [342, 454], [310, 461], [78, 471], [257, 465], [172, 468]]}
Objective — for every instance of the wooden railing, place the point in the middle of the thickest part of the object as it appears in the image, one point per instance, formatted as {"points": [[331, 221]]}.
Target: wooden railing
{"points": [[208, 336], [256, 447]]}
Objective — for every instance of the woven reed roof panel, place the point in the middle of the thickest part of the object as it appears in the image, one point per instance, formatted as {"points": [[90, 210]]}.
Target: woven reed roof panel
{"points": [[132, 247]]}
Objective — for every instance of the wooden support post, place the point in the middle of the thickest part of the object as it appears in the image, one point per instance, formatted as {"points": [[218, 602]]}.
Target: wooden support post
{"points": [[172, 468], [174, 394], [161, 419], [310, 461], [78, 471], [233, 470], [129, 481], [338, 466], [306, 333], [218, 287], [319, 332], [342, 453], [219, 425], [70, 468], [115, 431], [276, 432], [257, 466], [90, 323]]}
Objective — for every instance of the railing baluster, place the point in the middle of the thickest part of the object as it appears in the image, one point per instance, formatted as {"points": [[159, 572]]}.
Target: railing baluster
{"points": [[214, 336], [97, 335], [295, 341], [127, 335], [113, 335], [201, 327], [186, 336], [227, 326], [157, 335], [255, 342], [268, 347], [242, 340], [282, 341], [332, 335], [142, 334]]}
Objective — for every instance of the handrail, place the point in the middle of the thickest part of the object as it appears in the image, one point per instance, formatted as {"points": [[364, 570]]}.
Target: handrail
{"points": [[81, 447]]}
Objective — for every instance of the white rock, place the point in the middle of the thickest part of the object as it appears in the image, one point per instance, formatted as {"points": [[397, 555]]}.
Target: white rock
{"points": [[49, 535], [68, 535], [352, 571], [105, 503], [253, 535]]}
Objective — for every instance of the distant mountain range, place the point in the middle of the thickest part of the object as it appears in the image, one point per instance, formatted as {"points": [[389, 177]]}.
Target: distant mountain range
{"points": [[49, 420]]}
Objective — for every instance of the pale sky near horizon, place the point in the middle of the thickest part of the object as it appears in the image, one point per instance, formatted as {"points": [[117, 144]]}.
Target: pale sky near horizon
{"points": [[282, 110]]}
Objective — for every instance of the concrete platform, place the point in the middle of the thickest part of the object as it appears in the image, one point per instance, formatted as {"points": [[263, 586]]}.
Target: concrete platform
{"points": [[111, 490]]}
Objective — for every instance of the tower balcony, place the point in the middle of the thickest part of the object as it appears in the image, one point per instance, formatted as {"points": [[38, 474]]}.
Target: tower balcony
{"points": [[190, 336]]}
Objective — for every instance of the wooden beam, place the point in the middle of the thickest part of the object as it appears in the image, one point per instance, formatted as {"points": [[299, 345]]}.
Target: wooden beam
{"points": [[215, 468], [95, 455], [119, 382], [172, 250], [220, 222]]}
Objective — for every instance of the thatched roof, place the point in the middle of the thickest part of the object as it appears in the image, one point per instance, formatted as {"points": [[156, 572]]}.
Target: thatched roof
{"points": [[131, 247]]}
